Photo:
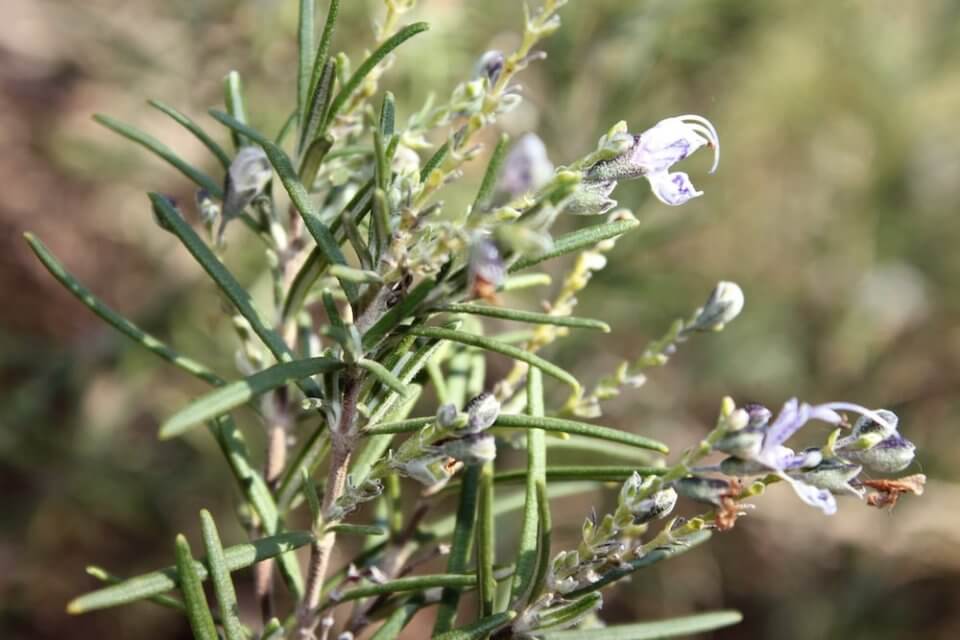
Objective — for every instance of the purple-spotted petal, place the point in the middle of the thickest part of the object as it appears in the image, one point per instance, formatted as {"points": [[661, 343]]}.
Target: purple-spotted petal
{"points": [[673, 189], [665, 144], [819, 498]]}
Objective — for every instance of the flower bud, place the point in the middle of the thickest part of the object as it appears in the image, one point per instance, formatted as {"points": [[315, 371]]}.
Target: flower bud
{"points": [[485, 270], [724, 304], [482, 412], [591, 198], [656, 507], [489, 66], [526, 167], [709, 490], [247, 176], [889, 456], [447, 416], [834, 475], [471, 449], [745, 443]]}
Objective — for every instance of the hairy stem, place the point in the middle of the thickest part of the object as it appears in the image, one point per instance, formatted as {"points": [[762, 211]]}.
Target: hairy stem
{"points": [[342, 441]]}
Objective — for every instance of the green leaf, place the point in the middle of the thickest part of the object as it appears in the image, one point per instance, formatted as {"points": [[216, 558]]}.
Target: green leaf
{"points": [[460, 547], [486, 541], [163, 151], [523, 316], [479, 629], [220, 576], [397, 620], [369, 64], [490, 175], [489, 344], [580, 428], [298, 195], [235, 293], [195, 129], [313, 451], [317, 262], [114, 319], [397, 426], [412, 583], [383, 374], [240, 392], [527, 551], [306, 53], [156, 582], [316, 109], [388, 116], [233, 100], [577, 240], [321, 60], [434, 161], [655, 556], [652, 630], [198, 611], [103, 575], [358, 529], [568, 614], [600, 473]]}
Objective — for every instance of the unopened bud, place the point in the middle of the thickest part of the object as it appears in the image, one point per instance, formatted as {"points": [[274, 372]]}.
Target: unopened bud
{"points": [[447, 416], [658, 506], [834, 475], [489, 66], [482, 412], [866, 424], [472, 449], [724, 304], [247, 176], [889, 456], [709, 490], [526, 167]]}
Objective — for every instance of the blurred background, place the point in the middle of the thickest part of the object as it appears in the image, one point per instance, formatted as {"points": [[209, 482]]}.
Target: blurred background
{"points": [[835, 208]]}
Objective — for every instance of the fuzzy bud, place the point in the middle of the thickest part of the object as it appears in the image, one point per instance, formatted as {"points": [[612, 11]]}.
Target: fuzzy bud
{"points": [[892, 454], [482, 412], [709, 490], [489, 66], [724, 304], [526, 167], [447, 416]]}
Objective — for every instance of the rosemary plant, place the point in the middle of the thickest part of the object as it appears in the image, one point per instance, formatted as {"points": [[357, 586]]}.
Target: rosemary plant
{"points": [[380, 291]]}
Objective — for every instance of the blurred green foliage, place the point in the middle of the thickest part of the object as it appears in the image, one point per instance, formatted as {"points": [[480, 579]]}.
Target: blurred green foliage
{"points": [[834, 208]]}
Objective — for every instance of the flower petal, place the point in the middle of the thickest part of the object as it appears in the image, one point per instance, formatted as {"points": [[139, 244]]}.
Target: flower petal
{"points": [[673, 189]]}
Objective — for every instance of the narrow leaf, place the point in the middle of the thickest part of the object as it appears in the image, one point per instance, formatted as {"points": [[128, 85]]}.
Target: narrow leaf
{"points": [[191, 126], [358, 529], [434, 161], [398, 426], [320, 95], [479, 629], [156, 582], [652, 630], [220, 577], [235, 293], [240, 392], [567, 614], [575, 241], [486, 541], [490, 175], [233, 100], [103, 575], [368, 65], [580, 428], [523, 316], [313, 500], [305, 59], [397, 620], [198, 611], [460, 547], [412, 583], [320, 61], [114, 319], [149, 142], [383, 375], [489, 344], [397, 314]]}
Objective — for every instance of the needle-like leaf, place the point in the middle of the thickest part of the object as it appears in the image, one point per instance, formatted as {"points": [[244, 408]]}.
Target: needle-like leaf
{"points": [[220, 577], [156, 582], [198, 611], [652, 630], [191, 126], [523, 316], [575, 241], [233, 395], [580, 428]]}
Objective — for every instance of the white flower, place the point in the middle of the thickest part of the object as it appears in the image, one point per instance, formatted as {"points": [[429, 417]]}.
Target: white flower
{"points": [[656, 150]]}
